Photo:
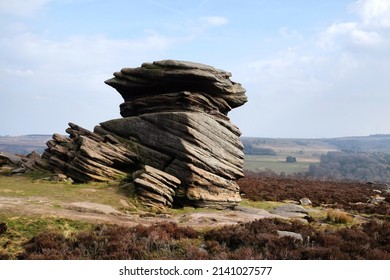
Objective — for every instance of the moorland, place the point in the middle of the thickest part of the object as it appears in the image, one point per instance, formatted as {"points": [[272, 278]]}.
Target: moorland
{"points": [[339, 218]]}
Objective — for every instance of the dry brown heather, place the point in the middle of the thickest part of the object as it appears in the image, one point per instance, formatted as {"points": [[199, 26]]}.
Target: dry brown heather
{"points": [[346, 195], [255, 240]]}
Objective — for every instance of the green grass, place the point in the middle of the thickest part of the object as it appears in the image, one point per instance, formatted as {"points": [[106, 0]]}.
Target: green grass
{"points": [[306, 151], [22, 186], [277, 164], [265, 205], [22, 228], [189, 210]]}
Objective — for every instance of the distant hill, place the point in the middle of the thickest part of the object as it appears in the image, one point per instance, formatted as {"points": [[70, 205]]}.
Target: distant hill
{"points": [[372, 143], [264, 146], [252, 145], [24, 144]]}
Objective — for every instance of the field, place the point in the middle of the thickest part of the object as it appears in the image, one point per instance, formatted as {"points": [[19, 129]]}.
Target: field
{"points": [[306, 152], [48, 220], [263, 154], [278, 164]]}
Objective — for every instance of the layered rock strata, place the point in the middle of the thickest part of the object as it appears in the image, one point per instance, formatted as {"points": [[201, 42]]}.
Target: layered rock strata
{"points": [[155, 187], [88, 156], [175, 141]]}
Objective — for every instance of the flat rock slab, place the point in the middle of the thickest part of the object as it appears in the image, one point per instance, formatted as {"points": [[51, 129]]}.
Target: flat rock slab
{"points": [[224, 217], [92, 208], [101, 213], [254, 211], [290, 211], [297, 236]]}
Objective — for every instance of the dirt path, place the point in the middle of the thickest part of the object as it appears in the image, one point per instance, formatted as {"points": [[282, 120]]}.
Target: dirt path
{"points": [[101, 213]]}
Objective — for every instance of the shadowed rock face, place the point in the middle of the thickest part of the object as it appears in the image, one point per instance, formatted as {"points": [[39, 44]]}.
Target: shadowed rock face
{"points": [[175, 139]]}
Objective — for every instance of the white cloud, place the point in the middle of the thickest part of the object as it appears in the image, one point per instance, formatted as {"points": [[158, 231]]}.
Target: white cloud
{"points": [[79, 52], [78, 55], [19, 72], [374, 13], [315, 86], [214, 21], [344, 34], [370, 31], [22, 8], [64, 78], [291, 72], [290, 34], [334, 85]]}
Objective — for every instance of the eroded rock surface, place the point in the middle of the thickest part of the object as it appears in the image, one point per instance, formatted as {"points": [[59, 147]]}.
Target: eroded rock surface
{"points": [[155, 187], [175, 140], [16, 164]]}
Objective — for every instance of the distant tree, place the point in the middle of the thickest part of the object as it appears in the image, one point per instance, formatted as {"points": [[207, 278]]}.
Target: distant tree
{"points": [[353, 166], [253, 150]]}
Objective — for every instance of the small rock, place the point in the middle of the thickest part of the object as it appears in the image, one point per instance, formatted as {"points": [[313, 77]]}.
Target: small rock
{"points": [[291, 208], [376, 199], [297, 236], [124, 202], [289, 201], [91, 207], [305, 201], [18, 170], [34, 155], [290, 211], [6, 169], [58, 178]]}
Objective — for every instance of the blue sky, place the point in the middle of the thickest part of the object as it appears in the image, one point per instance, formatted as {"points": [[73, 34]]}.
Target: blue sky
{"points": [[311, 68]]}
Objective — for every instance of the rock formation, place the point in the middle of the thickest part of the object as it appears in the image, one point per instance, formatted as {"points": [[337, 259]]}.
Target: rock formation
{"points": [[175, 143], [15, 164]]}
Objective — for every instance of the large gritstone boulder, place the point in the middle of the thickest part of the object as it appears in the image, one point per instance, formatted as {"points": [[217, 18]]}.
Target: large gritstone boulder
{"points": [[174, 140]]}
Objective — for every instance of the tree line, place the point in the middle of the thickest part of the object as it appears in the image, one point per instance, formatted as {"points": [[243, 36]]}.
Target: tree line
{"points": [[352, 165]]}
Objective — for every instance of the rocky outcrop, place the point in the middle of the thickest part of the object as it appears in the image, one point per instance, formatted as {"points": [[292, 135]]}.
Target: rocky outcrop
{"points": [[175, 141], [16, 164], [10, 159], [87, 156]]}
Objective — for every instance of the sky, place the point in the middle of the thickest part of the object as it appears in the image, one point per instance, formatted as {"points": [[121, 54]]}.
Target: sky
{"points": [[311, 69]]}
